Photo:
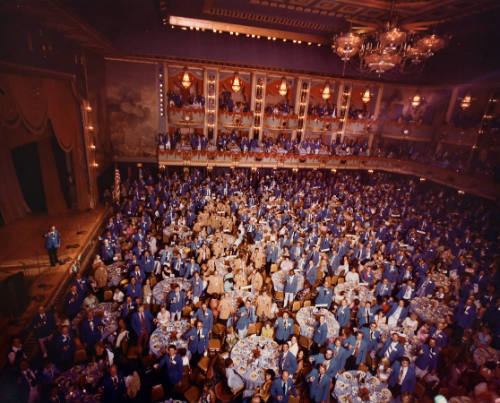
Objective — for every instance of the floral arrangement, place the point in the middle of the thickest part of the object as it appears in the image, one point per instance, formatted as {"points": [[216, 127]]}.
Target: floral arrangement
{"points": [[256, 353], [173, 335], [364, 394]]}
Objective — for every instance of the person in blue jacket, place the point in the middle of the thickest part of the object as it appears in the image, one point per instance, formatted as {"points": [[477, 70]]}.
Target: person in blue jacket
{"points": [[282, 388], [72, 303], [290, 288], [141, 322], [402, 378], [356, 352], [319, 384], [206, 316], [320, 332], [427, 360], [114, 389], [134, 289], [91, 330], [65, 348], [52, 244], [44, 325], [197, 286], [392, 349], [324, 297], [465, 316], [287, 361], [343, 314], [177, 301], [197, 343], [172, 362], [284, 328]]}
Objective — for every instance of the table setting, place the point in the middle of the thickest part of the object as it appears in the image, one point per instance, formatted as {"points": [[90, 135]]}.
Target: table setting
{"points": [[351, 291], [482, 355], [163, 288], [172, 333], [430, 310], [252, 356], [107, 312], [360, 386], [115, 273], [308, 316], [81, 383]]}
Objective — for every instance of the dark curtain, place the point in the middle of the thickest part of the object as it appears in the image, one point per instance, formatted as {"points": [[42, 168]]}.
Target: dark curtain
{"points": [[60, 160], [28, 171]]}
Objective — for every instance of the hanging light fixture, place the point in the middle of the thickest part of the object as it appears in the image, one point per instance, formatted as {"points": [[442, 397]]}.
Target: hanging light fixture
{"points": [[347, 45], [466, 101], [236, 84], [380, 62], [186, 81], [283, 87], [366, 96], [430, 44], [415, 101], [326, 93]]}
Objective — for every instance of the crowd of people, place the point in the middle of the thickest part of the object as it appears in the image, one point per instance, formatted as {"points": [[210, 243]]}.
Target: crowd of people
{"points": [[398, 281]]}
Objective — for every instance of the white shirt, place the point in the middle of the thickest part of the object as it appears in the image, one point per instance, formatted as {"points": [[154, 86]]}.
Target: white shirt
{"points": [[352, 277], [405, 370]]}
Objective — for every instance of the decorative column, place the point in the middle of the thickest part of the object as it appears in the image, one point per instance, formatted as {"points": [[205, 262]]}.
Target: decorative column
{"points": [[345, 101], [302, 105], [211, 89], [258, 103]]}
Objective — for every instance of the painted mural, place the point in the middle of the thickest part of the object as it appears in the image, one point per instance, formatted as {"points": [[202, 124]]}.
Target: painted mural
{"points": [[132, 106]]}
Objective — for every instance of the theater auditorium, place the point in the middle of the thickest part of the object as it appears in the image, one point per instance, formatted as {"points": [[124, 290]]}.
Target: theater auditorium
{"points": [[251, 201]]}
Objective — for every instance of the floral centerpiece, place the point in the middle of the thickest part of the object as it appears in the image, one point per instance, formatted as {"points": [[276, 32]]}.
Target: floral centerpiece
{"points": [[256, 353], [364, 394]]}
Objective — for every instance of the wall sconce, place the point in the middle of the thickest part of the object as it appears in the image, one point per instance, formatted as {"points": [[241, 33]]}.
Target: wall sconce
{"points": [[415, 101], [88, 108], [236, 84], [186, 81], [326, 94], [366, 96], [283, 87], [90, 128], [92, 146], [466, 101]]}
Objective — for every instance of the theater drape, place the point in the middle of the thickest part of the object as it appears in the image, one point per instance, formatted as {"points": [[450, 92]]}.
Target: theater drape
{"points": [[54, 197], [12, 203], [27, 102]]}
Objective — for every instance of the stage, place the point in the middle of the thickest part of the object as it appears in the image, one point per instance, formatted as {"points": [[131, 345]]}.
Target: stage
{"points": [[23, 249]]}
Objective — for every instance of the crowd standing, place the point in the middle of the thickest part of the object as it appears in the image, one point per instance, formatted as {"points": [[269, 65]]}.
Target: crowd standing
{"points": [[329, 278]]}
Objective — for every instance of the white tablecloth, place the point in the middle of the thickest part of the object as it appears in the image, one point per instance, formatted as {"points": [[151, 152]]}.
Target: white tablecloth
{"points": [[171, 334], [162, 289], [350, 386], [308, 317], [351, 291], [250, 367], [430, 310]]}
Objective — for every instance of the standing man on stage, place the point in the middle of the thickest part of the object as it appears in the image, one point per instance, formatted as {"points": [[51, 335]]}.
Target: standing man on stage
{"points": [[52, 243]]}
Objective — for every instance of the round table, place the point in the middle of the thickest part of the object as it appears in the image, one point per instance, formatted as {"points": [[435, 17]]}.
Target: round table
{"points": [[252, 356], [279, 277], [441, 280], [430, 310], [352, 385], [81, 383], [161, 290], [115, 273], [308, 316], [107, 312], [351, 291], [482, 355], [163, 336], [240, 296], [411, 342]]}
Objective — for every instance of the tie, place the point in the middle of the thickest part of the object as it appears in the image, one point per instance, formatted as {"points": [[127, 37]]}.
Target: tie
{"points": [[356, 350], [319, 379], [199, 334], [400, 378], [115, 381], [143, 322], [284, 388]]}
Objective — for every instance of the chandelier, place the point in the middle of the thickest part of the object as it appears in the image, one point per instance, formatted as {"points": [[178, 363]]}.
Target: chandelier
{"points": [[236, 84], [387, 47], [283, 87], [415, 101], [466, 101], [326, 93], [186, 81]]}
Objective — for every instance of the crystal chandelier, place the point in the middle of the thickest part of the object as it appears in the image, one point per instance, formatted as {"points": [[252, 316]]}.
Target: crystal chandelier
{"points": [[283, 87], [388, 47], [326, 93], [236, 84], [186, 81]]}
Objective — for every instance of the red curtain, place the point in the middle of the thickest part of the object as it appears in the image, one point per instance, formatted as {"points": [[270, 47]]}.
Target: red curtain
{"points": [[12, 204]]}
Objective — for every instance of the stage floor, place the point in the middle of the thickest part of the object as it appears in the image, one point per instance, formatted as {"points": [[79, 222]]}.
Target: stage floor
{"points": [[22, 242], [23, 248]]}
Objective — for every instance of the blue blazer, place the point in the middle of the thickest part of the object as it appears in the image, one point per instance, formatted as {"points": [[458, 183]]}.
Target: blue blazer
{"points": [[402, 316], [441, 338], [277, 390], [136, 324], [396, 354], [373, 342], [112, 393], [176, 304], [362, 351], [283, 334], [293, 285], [65, 348], [197, 287], [343, 315], [52, 239], [402, 292], [318, 389], [173, 370], [320, 334], [427, 358], [409, 381], [72, 304], [365, 317], [311, 274], [89, 336], [383, 290], [134, 292], [289, 364], [324, 296], [43, 327], [198, 344], [207, 319], [465, 319], [190, 269]]}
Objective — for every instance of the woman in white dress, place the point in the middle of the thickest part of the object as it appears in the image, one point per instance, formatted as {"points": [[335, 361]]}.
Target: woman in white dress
{"points": [[293, 346], [352, 277], [163, 316], [410, 324], [384, 370]]}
